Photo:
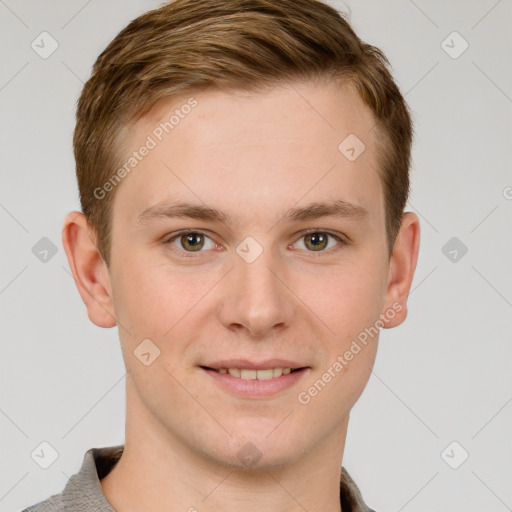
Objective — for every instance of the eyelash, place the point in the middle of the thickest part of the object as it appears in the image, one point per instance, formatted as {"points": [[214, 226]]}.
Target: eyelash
{"points": [[191, 254]]}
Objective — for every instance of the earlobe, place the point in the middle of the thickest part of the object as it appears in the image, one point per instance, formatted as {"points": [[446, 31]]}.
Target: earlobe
{"points": [[88, 269], [401, 271]]}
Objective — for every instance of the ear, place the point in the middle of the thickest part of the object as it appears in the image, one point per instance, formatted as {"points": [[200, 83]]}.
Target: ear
{"points": [[401, 271], [89, 270]]}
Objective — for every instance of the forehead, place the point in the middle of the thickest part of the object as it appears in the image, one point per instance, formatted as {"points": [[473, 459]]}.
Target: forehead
{"points": [[254, 151], [222, 119]]}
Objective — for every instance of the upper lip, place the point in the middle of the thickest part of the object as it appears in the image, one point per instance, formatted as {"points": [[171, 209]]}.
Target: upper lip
{"points": [[251, 365]]}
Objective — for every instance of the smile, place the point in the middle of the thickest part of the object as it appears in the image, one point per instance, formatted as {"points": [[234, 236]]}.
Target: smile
{"points": [[249, 374], [251, 383]]}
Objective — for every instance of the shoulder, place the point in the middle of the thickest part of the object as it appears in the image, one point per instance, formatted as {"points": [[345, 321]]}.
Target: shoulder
{"points": [[350, 495], [83, 489], [52, 504]]}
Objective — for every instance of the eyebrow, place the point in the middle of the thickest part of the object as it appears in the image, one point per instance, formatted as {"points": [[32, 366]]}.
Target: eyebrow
{"points": [[317, 210]]}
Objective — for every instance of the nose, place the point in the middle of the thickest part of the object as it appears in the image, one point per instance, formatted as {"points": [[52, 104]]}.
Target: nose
{"points": [[256, 297]]}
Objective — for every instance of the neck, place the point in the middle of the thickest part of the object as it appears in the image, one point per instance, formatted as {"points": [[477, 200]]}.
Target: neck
{"points": [[159, 471]]}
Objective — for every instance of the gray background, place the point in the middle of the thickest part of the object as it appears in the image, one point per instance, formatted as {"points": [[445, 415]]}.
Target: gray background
{"points": [[443, 376]]}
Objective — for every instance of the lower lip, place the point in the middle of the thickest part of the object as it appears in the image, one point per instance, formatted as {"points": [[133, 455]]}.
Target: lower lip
{"points": [[255, 388]]}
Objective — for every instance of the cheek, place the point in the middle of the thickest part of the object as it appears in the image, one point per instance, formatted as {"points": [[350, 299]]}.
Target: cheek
{"points": [[338, 382], [154, 303], [152, 299], [343, 380], [348, 297], [348, 301]]}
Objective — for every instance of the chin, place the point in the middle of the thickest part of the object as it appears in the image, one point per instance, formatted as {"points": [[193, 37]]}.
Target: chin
{"points": [[257, 450]]}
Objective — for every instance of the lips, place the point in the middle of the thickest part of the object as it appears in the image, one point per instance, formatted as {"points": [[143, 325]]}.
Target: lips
{"points": [[250, 383], [254, 365], [250, 374]]}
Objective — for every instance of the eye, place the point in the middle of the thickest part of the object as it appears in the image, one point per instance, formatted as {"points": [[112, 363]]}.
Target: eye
{"points": [[191, 241], [318, 241]]}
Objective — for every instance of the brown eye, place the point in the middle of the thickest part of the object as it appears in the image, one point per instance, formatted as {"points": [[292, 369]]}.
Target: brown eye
{"points": [[316, 241], [319, 241], [192, 241]]}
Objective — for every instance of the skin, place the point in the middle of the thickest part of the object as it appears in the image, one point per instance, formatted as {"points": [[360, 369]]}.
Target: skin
{"points": [[253, 156]]}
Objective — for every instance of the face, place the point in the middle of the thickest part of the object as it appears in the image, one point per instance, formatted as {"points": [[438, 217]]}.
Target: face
{"points": [[285, 265]]}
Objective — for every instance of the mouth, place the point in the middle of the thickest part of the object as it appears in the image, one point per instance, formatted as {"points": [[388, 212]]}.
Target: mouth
{"points": [[253, 374], [264, 382], [251, 379]]}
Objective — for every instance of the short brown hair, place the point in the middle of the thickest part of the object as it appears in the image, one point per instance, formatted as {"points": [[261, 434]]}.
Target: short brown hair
{"points": [[187, 45]]}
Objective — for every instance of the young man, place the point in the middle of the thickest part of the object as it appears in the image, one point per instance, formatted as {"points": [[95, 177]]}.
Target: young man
{"points": [[243, 172]]}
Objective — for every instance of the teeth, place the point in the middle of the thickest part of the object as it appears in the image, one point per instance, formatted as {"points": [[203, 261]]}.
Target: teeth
{"points": [[266, 374], [245, 374]]}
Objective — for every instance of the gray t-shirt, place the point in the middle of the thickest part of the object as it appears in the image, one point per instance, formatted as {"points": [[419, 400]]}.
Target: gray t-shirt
{"points": [[83, 492]]}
